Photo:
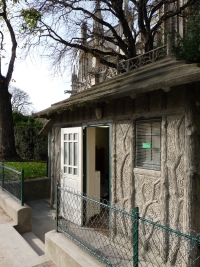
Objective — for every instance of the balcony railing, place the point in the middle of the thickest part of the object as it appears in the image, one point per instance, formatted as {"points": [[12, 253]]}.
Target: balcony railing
{"points": [[146, 58]]}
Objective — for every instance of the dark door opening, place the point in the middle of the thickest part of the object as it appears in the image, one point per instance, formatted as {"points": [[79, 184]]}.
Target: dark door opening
{"points": [[102, 160], [97, 177]]}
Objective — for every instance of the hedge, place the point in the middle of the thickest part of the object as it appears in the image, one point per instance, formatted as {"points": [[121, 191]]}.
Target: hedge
{"points": [[29, 144]]}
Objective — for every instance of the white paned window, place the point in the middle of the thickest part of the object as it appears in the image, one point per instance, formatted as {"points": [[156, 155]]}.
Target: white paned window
{"points": [[70, 163]]}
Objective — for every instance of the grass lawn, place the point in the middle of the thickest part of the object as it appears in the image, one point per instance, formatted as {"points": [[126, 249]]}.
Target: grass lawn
{"points": [[31, 169]]}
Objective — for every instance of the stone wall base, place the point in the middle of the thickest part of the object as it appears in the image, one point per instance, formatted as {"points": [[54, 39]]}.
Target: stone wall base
{"points": [[21, 215], [65, 253]]}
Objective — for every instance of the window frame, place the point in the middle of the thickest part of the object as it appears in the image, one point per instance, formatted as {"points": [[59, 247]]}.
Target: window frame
{"points": [[138, 136]]}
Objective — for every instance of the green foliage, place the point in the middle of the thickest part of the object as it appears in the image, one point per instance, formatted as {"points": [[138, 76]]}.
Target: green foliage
{"points": [[23, 120], [188, 47], [29, 144], [31, 17], [31, 169]]}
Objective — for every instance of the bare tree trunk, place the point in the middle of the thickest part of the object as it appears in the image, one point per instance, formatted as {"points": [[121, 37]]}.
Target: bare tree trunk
{"points": [[7, 140], [149, 44]]}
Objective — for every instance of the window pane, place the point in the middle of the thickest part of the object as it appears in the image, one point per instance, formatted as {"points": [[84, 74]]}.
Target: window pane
{"points": [[65, 136], [156, 156], [143, 156], [144, 128], [156, 128], [75, 154], [144, 139], [70, 170], [75, 136], [70, 153], [65, 152], [75, 171], [156, 142], [70, 136]]}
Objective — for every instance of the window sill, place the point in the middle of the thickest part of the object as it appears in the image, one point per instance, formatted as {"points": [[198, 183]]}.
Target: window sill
{"points": [[148, 172]]}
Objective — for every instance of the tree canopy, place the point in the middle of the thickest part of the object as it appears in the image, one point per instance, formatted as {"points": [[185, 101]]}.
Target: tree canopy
{"points": [[20, 101], [187, 47], [65, 27]]}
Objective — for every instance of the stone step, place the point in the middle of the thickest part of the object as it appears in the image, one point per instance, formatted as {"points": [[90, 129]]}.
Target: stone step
{"points": [[19, 252], [36, 244]]}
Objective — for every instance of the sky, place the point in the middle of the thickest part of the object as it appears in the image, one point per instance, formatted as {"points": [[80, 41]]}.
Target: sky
{"points": [[43, 89]]}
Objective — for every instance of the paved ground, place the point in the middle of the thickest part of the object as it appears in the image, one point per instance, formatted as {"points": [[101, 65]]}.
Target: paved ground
{"points": [[42, 219], [4, 259], [4, 218], [15, 251]]}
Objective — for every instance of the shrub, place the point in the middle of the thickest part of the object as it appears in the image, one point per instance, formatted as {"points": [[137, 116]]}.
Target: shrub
{"points": [[29, 144]]}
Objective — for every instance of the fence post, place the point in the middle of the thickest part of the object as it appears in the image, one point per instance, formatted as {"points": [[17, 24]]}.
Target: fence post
{"points": [[22, 188], [57, 184], [135, 236], [2, 174]]}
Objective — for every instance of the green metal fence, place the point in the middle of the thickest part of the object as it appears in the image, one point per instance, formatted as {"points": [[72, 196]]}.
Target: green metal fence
{"points": [[12, 181], [122, 238]]}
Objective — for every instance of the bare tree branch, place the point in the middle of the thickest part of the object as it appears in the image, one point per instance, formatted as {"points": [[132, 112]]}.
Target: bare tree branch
{"points": [[120, 26]]}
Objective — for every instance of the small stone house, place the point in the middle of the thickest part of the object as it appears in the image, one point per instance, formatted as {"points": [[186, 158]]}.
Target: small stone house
{"points": [[134, 139]]}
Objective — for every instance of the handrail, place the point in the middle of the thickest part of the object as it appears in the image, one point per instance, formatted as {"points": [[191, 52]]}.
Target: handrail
{"points": [[11, 169]]}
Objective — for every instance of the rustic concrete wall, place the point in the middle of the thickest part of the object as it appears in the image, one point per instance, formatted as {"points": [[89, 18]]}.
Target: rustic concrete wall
{"points": [[122, 178], [196, 177]]}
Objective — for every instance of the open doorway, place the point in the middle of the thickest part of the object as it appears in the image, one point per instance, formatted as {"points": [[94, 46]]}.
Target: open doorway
{"points": [[102, 160], [97, 173], [97, 158]]}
